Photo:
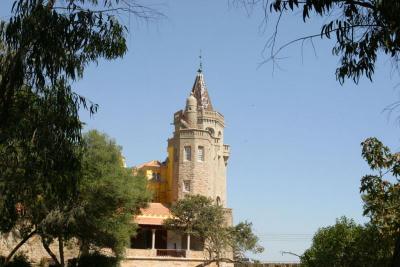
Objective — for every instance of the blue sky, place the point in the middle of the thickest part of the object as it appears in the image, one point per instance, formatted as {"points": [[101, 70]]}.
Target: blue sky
{"points": [[295, 133]]}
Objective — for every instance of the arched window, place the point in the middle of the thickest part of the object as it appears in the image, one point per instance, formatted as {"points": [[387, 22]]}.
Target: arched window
{"points": [[219, 134], [218, 201], [210, 130]]}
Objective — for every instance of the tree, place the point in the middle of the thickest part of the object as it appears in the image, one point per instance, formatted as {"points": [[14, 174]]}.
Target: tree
{"points": [[362, 29], [199, 216], [382, 197], [39, 164], [44, 47], [347, 244], [109, 197]]}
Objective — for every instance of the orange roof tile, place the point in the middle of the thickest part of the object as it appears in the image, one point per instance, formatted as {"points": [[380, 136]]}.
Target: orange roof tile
{"points": [[154, 214], [152, 163]]}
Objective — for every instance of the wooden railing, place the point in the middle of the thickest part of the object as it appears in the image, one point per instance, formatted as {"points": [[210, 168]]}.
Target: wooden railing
{"points": [[177, 253]]}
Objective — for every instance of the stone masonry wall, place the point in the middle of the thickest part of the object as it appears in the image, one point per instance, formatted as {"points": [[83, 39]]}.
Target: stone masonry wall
{"points": [[33, 248]]}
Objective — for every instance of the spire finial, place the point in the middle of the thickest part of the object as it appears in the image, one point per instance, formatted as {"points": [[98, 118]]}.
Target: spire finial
{"points": [[201, 63]]}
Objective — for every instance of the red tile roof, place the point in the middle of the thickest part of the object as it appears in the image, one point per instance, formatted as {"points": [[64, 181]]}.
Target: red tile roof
{"points": [[154, 214], [153, 163]]}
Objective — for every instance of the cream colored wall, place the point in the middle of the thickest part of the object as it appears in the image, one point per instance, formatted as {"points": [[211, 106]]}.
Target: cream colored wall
{"points": [[33, 248], [166, 262], [209, 177]]}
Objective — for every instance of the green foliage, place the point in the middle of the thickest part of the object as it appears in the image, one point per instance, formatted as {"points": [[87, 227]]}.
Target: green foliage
{"points": [[378, 243], [381, 197], [54, 40], [45, 46], [195, 215], [347, 244], [110, 195], [39, 161], [244, 240], [94, 260], [361, 29], [200, 216], [19, 260]]}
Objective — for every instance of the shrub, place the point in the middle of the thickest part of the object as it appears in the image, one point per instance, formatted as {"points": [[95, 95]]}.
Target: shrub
{"points": [[94, 260], [19, 260]]}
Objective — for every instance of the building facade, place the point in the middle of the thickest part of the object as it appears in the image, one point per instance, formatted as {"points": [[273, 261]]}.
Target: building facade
{"points": [[196, 164]]}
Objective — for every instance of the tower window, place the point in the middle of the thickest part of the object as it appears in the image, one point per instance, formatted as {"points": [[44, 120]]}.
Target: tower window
{"points": [[211, 131], [200, 153], [156, 176], [186, 186], [188, 153]]}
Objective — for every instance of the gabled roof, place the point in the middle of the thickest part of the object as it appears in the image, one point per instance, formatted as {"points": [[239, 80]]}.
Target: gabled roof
{"points": [[154, 214], [200, 92], [153, 163]]}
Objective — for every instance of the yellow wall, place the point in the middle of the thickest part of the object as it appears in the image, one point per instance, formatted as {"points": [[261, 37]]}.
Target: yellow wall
{"points": [[161, 188], [170, 166]]}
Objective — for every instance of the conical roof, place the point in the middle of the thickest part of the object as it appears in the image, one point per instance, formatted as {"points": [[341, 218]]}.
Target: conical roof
{"points": [[200, 92]]}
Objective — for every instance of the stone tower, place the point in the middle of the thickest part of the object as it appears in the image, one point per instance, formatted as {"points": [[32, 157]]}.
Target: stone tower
{"points": [[197, 150]]}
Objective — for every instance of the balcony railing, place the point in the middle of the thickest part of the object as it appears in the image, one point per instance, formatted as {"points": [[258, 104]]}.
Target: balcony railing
{"points": [[177, 253]]}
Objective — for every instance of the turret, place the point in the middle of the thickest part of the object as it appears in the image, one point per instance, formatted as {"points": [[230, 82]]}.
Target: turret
{"points": [[191, 112], [197, 150]]}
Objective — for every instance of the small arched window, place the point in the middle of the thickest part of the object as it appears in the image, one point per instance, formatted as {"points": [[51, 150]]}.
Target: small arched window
{"points": [[219, 134], [218, 201], [210, 130]]}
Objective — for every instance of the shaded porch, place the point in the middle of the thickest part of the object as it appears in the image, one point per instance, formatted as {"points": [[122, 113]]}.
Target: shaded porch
{"points": [[165, 243]]}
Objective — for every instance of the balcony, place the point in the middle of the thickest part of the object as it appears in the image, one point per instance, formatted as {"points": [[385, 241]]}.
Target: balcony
{"points": [[164, 254], [227, 150], [177, 253]]}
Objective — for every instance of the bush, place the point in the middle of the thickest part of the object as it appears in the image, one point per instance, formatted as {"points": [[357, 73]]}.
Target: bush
{"points": [[19, 260], [93, 260]]}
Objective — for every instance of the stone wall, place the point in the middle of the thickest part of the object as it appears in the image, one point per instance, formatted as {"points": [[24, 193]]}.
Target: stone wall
{"points": [[33, 248], [166, 262], [133, 257], [274, 264]]}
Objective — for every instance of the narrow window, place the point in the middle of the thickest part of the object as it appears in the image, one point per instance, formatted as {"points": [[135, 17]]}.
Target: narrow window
{"points": [[188, 153], [200, 153], [186, 186]]}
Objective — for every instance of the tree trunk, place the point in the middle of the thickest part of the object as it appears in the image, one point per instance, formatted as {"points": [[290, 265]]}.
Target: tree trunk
{"points": [[84, 248], [61, 249], [396, 253], [23, 241], [47, 248]]}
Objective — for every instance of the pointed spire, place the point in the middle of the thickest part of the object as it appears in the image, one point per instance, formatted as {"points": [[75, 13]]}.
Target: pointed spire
{"points": [[201, 63], [200, 92]]}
